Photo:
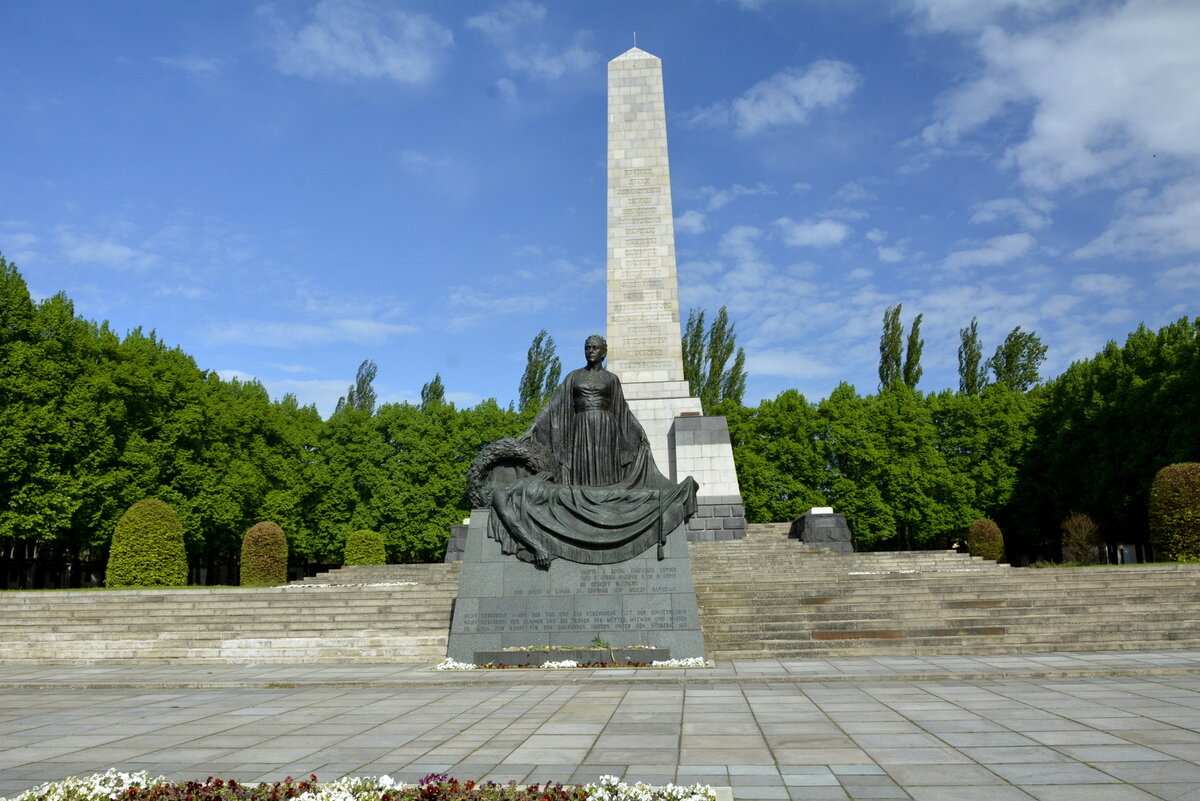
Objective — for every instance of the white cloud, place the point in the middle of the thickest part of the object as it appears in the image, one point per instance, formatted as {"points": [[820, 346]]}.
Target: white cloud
{"points": [[298, 335], [719, 198], [690, 222], [1102, 284], [812, 233], [1166, 224], [786, 98], [197, 65], [1029, 216], [860, 274], [739, 243], [788, 364], [349, 39], [500, 23], [84, 249], [972, 15], [293, 368], [551, 62], [996, 251], [419, 163], [876, 235], [1106, 91], [505, 89], [853, 192], [890, 255], [1179, 279]]}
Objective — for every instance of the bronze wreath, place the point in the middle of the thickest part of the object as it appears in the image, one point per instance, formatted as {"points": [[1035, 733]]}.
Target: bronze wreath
{"points": [[536, 459]]}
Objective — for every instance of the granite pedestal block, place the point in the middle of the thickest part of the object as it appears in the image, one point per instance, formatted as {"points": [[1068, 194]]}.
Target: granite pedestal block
{"points": [[823, 530], [457, 543], [504, 602]]}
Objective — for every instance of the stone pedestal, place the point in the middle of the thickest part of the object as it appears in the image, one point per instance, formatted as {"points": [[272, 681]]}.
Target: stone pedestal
{"points": [[823, 528], [505, 602]]}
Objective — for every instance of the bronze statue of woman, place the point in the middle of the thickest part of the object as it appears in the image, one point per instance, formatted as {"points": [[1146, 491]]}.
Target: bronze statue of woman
{"points": [[606, 500]]}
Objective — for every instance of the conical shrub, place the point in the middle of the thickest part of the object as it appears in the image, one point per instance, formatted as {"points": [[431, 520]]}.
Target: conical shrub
{"points": [[364, 547], [264, 555], [147, 548], [985, 540]]}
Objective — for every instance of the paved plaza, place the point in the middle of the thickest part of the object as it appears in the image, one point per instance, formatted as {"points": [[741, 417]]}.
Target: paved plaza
{"points": [[1051, 726]]}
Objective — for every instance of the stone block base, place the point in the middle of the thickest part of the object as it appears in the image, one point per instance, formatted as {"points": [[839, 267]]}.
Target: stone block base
{"points": [[504, 602], [823, 531], [718, 517]]}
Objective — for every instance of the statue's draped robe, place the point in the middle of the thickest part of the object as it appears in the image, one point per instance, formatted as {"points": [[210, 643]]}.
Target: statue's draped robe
{"points": [[608, 501]]}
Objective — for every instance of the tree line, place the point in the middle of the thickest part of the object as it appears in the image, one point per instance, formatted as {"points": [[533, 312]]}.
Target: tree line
{"points": [[91, 422]]}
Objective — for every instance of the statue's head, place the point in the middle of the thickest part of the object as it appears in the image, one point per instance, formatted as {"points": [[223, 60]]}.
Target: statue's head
{"points": [[595, 349]]}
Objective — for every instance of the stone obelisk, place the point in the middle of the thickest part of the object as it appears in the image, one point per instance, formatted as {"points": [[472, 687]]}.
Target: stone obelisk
{"points": [[644, 343]]}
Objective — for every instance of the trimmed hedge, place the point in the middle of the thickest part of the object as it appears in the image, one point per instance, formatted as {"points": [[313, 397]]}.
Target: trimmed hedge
{"points": [[1175, 513], [984, 539], [364, 547], [147, 548], [264, 555]]}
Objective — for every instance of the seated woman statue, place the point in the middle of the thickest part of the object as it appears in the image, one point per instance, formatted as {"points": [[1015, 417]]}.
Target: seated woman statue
{"points": [[604, 501]]}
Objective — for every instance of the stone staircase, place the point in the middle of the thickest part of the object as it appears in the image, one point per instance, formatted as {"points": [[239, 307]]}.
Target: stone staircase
{"points": [[767, 596], [354, 621]]}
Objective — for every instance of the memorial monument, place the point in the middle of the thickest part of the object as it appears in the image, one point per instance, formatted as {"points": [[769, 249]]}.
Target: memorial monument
{"points": [[643, 300], [575, 535]]}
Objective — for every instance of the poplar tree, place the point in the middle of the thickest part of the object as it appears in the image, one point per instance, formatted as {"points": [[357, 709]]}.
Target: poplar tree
{"points": [[890, 346], [706, 354], [972, 369], [543, 370], [912, 354], [1016, 361]]}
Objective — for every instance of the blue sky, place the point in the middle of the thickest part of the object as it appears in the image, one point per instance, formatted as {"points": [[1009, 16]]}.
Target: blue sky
{"points": [[286, 189]]}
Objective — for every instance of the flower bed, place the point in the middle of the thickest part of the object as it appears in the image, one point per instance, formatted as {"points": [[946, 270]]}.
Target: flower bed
{"points": [[690, 662], [117, 786]]}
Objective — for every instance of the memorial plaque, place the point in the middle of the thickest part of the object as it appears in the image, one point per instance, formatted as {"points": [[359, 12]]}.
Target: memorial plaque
{"points": [[504, 602]]}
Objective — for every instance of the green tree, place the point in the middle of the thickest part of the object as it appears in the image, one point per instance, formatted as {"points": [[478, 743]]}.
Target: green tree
{"points": [[912, 354], [706, 355], [147, 548], [361, 394], [543, 369], [890, 347], [1017, 360], [433, 393], [264, 555], [972, 369]]}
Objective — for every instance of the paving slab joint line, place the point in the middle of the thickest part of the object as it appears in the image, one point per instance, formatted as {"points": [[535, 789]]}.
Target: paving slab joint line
{"points": [[515, 678]]}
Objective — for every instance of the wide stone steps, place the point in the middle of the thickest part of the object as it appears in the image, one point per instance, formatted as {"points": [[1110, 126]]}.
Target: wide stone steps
{"points": [[770, 596], [356, 621]]}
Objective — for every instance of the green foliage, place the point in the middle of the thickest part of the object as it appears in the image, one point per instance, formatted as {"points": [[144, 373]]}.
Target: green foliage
{"points": [[985, 540], [1175, 513], [912, 354], [264, 555], [1016, 360], [433, 394], [972, 369], [543, 370], [1080, 539], [706, 355], [365, 547], [147, 548], [890, 347], [361, 394]]}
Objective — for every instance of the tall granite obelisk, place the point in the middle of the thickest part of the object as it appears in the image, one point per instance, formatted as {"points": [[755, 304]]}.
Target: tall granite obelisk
{"points": [[644, 344]]}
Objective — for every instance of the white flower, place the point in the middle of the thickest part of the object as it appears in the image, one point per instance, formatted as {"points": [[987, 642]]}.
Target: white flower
{"points": [[450, 664], [564, 663], [693, 661]]}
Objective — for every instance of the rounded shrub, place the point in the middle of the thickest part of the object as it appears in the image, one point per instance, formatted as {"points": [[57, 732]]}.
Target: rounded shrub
{"points": [[364, 547], [147, 548], [264, 555], [985, 540], [1175, 513]]}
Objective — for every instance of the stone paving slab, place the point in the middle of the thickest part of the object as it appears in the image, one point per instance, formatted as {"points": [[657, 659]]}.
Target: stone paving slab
{"points": [[739, 671], [1101, 726]]}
